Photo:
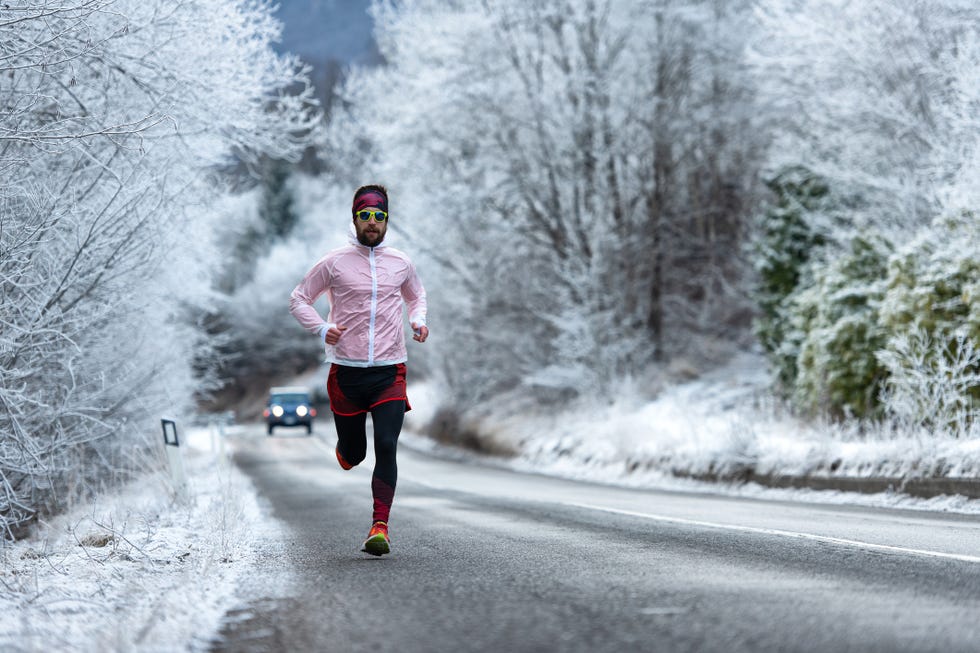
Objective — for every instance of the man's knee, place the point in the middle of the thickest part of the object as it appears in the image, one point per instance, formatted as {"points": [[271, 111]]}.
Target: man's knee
{"points": [[353, 458], [351, 440], [385, 445]]}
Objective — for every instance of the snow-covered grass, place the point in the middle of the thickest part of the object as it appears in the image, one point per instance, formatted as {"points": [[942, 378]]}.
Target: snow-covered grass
{"points": [[720, 426], [138, 570]]}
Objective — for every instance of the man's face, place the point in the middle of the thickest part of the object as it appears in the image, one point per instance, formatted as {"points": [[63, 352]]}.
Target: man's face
{"points": [[370, 233]]}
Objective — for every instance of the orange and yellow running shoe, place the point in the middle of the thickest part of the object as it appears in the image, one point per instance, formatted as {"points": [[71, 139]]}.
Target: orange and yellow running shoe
{"points": [[377, 542]]}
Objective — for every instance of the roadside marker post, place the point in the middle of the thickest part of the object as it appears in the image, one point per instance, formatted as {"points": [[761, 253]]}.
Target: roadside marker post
{"points": [[218, 423], [172, 446]]}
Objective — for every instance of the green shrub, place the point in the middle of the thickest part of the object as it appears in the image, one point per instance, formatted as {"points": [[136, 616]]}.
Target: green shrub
{"points": [[835, 322], [842, 327], [933, 294], [934, 281]]}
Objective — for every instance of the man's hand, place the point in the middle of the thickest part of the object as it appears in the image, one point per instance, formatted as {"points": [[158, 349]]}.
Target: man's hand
{"points": [[333, 334], [421, 332]]}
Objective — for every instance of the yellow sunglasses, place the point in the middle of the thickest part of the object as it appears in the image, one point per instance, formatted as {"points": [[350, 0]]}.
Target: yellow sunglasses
{"points": [[364, 216]]}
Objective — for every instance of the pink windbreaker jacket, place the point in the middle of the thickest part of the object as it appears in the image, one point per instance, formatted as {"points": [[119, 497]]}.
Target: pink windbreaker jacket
{"points": [[365, 287]]}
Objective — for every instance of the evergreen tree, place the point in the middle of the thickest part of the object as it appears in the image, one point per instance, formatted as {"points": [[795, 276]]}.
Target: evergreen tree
{"points": [[783, 247], [276, 211], [259, 230]]}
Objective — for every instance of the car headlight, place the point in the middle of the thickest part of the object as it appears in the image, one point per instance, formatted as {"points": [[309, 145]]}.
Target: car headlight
{"points": [[277, 411], [301, 411]]}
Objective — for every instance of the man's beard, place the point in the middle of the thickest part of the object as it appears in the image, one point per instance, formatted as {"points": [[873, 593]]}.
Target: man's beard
{"points": [[362, 238]]}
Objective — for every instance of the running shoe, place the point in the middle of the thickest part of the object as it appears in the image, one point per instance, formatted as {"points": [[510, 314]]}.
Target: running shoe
{"points": [[340, 459], [377, 543]]}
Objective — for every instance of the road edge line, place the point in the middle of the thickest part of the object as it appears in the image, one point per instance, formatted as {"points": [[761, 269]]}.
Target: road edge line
{"points": [[773, 531]]}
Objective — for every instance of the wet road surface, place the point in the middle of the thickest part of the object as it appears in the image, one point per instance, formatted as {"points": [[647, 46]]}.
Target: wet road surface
{"points": [[489, 560]]}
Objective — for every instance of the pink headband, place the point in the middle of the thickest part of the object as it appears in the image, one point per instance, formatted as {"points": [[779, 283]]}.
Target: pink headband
{"points": [[370, 198]]}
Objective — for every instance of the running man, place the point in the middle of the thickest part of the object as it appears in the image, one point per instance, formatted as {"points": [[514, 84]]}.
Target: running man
{"points": [[366, 283]]}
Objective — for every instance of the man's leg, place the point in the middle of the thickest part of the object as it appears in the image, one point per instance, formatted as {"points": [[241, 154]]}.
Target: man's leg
{"points": [[387, 419], [351, 438]]}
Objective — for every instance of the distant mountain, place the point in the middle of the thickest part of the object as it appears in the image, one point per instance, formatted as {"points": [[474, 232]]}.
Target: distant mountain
{"points": [[321, 31]]}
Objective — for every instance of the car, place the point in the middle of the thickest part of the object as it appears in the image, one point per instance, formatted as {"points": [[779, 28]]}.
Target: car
{"points": [[289, 406]]}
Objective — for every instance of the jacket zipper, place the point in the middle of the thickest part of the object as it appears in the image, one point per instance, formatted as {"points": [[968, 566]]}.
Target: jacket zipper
{"points": [[374, 306]]}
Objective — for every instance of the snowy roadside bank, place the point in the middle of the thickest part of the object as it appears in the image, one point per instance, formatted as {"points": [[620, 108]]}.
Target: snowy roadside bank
{"points": [[134, 570], [722, 433]]}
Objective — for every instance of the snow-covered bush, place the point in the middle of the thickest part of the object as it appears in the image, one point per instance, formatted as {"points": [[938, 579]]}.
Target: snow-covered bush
{"points": [[836, 332], [934, 281], [881, 101], [875, 329], [114, 114], [931, 310], [933, 381]]}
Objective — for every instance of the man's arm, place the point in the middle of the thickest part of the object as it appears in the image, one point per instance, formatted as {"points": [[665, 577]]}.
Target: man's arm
{"points": [[414, 294], [315, 283]]}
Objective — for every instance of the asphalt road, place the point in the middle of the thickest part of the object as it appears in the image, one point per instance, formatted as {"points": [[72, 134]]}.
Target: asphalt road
{"points": [[488, 560]]}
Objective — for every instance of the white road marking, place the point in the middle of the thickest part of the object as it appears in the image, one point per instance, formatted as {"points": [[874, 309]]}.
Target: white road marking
{"points": [[749, 529], [772, 531], [653, 611]]}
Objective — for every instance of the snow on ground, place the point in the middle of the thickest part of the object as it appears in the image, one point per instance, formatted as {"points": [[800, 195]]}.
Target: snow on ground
{"points": [[718, 424], [140, 570]]}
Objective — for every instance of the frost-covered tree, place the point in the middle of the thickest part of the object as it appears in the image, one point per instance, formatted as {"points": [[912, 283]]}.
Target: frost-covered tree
{"points": [[577, 172], [114, 114], [266, 216], [881, 101], [874, 97]]}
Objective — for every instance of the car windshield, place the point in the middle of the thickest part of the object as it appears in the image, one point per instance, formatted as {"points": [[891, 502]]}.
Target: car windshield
{"points": [[296, 398]]}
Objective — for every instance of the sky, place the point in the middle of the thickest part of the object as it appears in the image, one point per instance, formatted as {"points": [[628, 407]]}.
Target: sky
{"points": [[320, 30]]}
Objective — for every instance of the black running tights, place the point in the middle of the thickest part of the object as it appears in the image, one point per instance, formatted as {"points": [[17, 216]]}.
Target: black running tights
{"points": [[387, 420]]}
